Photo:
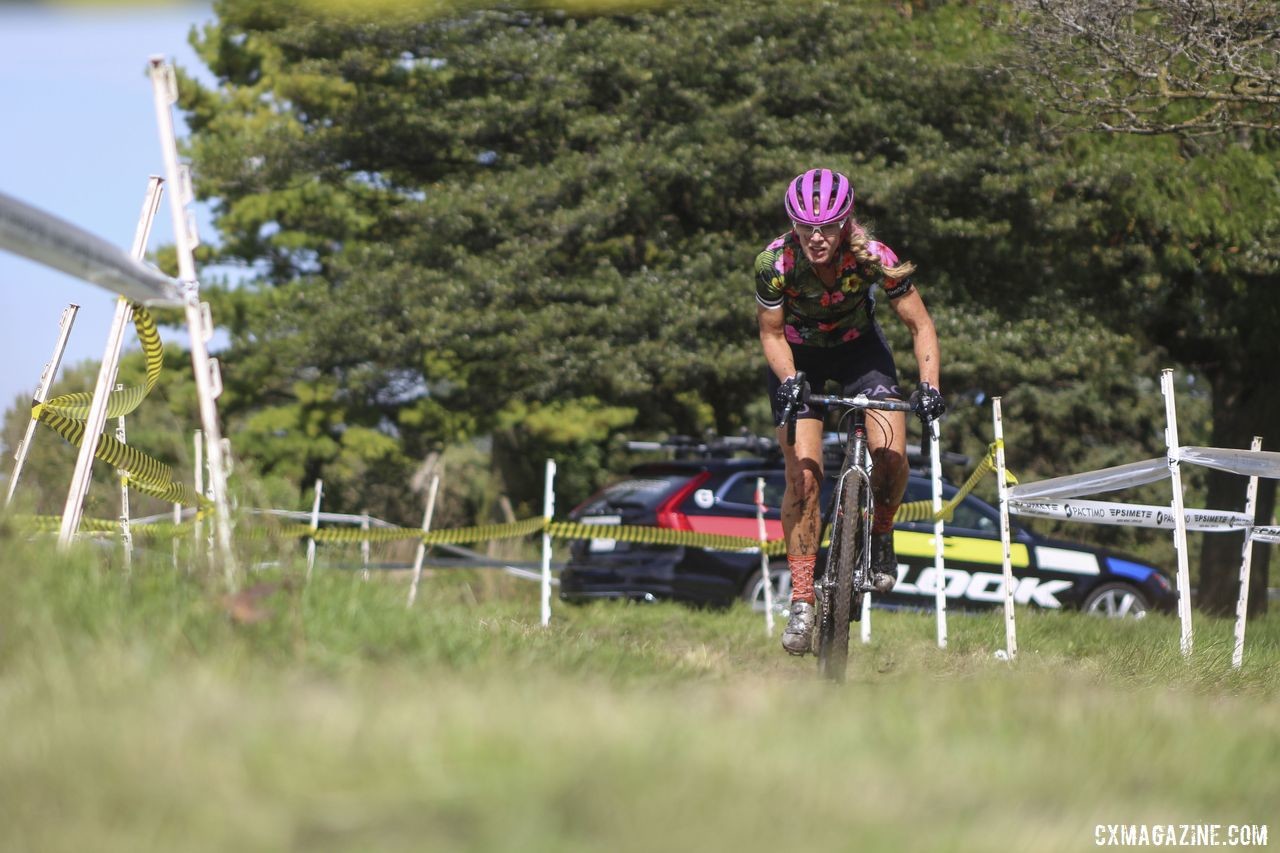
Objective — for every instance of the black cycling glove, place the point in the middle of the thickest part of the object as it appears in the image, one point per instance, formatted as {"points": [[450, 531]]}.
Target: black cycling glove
{"points": [[928, 402], [791, 393]]}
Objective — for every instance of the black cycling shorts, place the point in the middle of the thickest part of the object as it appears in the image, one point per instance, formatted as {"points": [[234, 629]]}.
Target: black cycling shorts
{"points": [[862, 366]]}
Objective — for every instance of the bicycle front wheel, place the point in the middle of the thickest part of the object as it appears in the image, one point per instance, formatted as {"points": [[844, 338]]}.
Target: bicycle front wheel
{"points": [[843, 558]]}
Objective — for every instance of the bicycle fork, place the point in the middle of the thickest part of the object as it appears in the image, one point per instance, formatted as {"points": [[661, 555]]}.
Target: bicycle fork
{"points": [[857, 464]]}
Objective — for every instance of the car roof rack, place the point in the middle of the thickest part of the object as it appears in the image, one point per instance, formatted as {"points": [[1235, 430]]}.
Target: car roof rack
{"points": [[710, 446], [727, 446]]}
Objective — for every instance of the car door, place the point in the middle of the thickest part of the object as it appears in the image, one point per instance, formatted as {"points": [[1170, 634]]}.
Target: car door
{"points": [[973, 574]]}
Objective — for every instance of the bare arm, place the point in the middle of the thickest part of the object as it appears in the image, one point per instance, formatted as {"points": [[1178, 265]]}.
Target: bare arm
{"points": [[774, 340], [924, 337]]}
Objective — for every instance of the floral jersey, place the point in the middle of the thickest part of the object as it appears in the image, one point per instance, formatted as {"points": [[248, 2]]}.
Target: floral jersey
{"points": [[814, 314]]}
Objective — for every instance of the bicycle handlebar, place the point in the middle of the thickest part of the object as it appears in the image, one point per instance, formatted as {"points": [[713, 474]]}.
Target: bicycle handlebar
{"points": [[862, 401]]}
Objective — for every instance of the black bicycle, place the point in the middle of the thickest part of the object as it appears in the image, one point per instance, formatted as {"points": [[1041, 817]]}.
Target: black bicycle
{"points": [[846, 575]]}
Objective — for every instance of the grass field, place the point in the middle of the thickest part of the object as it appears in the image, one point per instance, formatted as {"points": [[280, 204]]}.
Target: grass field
{"points": [[150, 713]]}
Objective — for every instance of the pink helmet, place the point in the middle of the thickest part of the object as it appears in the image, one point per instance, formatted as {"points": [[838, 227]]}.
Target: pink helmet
{"points": [[819, 197]]}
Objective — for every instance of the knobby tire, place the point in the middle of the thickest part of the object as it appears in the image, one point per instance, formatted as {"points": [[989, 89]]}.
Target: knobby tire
{"points": [[843, 558]]}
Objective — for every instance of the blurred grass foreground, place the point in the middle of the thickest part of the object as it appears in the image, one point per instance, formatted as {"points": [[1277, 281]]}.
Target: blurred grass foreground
{"points": [[150, 711]]}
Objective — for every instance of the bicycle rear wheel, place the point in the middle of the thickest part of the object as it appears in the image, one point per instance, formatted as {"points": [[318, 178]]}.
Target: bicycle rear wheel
{"points": [[843, 558]]}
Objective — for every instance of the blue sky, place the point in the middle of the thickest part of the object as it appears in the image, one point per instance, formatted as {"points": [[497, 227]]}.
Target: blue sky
{"points": [[78, 139]]}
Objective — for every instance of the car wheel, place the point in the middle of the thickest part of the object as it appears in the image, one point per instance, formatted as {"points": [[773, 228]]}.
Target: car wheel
{"points": [[753, 592], [1116, 601]]}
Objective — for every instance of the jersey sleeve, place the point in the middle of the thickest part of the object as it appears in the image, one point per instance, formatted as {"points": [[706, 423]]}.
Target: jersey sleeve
{"points": [[770, 275], [893, 288]]}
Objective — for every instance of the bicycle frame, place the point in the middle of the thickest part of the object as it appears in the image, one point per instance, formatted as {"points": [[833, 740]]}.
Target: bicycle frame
{"points": [[843, 587], [857, 462]]}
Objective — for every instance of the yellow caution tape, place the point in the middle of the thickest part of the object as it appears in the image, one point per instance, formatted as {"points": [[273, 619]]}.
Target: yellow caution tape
{"points": [[65, 415], [914, 511], [126, 400], [651, 535], [923, 510], [146, 473], [457, 536]]}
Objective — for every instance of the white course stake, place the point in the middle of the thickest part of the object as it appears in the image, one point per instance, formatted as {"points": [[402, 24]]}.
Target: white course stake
{"points": [[939, 568], [422, 545], [765, 579], [549, 510], [177, 524], [864, 630], [208, 380], [364, 545], [1174, 457], [97, 418], [198, 474], [42, 393], [1002, 487], [126, 534], [315, 525], [1246, 562]]}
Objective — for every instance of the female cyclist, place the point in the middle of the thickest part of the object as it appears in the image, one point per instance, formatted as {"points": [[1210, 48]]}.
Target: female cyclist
{"points": [[816, 310]]}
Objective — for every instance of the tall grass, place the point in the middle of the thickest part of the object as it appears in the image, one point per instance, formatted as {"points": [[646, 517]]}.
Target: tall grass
{"points": [[151, 712]]}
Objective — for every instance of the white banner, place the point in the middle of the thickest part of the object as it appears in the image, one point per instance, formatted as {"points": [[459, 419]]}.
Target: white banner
{"points": [[1250, 463], [1266, 534], [1093, 482], [1130, 515]]}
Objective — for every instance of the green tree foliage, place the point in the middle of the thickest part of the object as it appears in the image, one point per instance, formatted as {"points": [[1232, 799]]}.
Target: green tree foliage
{"points": [[487, 224], [1183, 239]]}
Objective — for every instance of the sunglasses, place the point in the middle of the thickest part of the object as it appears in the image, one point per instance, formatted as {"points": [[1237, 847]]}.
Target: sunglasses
{"points": [[829, 231]]}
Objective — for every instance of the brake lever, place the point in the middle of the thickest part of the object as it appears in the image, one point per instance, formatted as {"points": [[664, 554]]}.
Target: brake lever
{"points": [[790, 412]]}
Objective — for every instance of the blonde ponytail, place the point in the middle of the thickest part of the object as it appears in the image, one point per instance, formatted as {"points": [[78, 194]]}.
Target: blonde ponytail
{"points": [[858, 244]]}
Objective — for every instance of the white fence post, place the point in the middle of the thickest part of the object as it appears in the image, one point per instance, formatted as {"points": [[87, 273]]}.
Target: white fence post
{"points": [[126, 534], [765, 579], [1246, 562], [42, 392], [177, 524], [1173, 455], [315, 525], [1002, 487], [364, 545], [97, 418], [549, 511], [198, 475], [422, 545], [208, 379], [939, 567]]}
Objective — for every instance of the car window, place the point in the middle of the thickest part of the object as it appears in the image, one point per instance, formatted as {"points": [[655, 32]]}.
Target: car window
{"points": [[644, 493], [741, 489], [971, 514]]}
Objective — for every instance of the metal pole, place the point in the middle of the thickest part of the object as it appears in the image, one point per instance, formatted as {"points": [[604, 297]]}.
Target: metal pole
{"points": [[315, 525], [364, 545], [208, 378], [1246, 562], [864, 629], [422, 545], [1173, 453], [939, 568], [126, 534], [1002, 487], [97, 418], [177, 522], [42, 393], [764, 559], [549, 510], [198, 464]]}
